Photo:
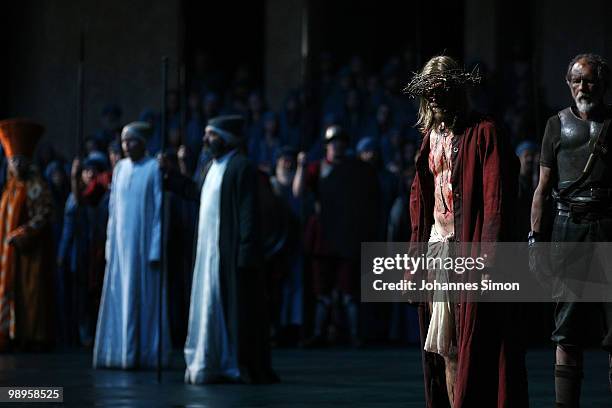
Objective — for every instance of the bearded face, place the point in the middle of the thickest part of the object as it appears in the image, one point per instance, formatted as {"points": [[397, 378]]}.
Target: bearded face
{"points": [[586, 88], [134, 148], [443, 102]]}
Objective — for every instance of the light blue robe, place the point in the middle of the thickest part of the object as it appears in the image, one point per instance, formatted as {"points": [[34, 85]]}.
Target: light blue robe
{"points": [[127, 332]]}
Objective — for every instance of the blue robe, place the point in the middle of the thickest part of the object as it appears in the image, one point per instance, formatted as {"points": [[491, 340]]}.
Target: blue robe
{"points": [[127, 333]]}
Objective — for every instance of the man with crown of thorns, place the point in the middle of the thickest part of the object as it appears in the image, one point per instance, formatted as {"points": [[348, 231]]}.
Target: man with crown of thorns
{"points": [[464, 191]]}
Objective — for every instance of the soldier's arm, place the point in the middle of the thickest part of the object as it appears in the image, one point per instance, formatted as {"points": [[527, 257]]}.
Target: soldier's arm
{"points": [[298, 179], [548, 163], [539, 198], [75, 173]]}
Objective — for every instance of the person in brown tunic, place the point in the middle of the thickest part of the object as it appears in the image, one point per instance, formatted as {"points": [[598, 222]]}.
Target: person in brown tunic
{"points": [[26, 254]]}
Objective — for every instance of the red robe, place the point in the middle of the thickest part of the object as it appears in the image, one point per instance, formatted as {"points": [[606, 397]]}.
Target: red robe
{"points": [[25, 271], [491, 360]]}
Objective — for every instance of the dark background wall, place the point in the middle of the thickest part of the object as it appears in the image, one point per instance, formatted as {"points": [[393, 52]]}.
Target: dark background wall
{"points": [[125, 42], [376, 30], [568, 28], [230, 33]]}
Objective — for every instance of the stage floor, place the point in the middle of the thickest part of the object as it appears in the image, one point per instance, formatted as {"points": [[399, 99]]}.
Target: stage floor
{"points": [[357, 378]]}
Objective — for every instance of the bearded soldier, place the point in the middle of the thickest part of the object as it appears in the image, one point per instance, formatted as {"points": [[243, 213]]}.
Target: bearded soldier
{"points": [[582, 209]]}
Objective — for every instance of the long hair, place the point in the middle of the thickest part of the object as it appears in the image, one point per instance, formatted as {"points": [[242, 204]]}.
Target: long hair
{"points": [[436, 65]]}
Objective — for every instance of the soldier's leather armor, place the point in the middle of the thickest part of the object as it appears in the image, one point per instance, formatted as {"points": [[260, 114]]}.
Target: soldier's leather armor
{"points": [[574, 147]]}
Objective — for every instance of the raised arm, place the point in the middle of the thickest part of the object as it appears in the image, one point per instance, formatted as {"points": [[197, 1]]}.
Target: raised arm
{"points": [[298, 180]]}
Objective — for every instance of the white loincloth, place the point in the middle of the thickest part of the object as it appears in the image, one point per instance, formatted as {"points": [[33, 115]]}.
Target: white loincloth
{"points": [[441, 332]]}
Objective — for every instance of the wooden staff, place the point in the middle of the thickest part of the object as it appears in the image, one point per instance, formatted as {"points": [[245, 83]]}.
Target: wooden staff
{"points": [[80, 95], [162, 216]]}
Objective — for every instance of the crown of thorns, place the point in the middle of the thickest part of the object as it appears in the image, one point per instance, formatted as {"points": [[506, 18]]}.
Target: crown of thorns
{"points": [[422, 84]]}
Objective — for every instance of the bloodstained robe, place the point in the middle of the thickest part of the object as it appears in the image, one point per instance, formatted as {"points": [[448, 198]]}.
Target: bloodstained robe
{"points": [[26, 208], [491, 359], [241, 281], [128, 323]]}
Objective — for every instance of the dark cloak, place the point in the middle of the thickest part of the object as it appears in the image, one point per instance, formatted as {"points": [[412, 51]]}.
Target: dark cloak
{"points": [[491, 358], [243, 284]]}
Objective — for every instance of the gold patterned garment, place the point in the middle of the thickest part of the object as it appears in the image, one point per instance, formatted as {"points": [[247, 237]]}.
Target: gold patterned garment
{"points": [[25, 266]]}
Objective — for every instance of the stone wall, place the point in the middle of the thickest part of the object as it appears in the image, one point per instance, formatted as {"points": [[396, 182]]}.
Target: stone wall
{"points": [[284, 47], [124, 45]]}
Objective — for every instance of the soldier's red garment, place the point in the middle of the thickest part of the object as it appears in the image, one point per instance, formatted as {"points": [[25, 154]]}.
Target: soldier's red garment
{"points": [[491, 360], [97, 188]]}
